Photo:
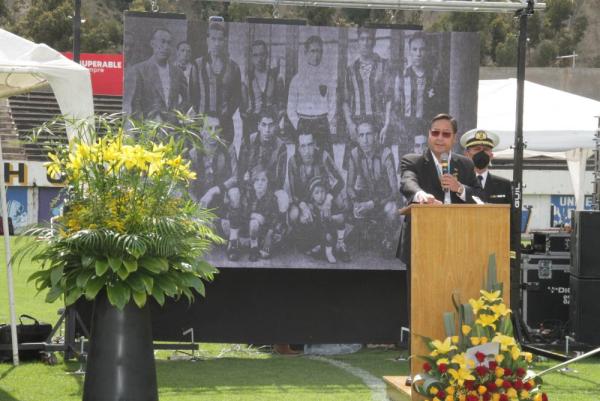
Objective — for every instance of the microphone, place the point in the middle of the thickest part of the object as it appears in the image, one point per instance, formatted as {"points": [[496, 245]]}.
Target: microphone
{"points": [[444, 164]]}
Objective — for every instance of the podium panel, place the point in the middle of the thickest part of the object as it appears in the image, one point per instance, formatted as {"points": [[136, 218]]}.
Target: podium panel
{"points": [[450, 247]]}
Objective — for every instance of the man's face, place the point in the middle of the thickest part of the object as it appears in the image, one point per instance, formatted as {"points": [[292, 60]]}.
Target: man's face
{"points": [[306, 148], [184, 53], [211, 129], [259, 57], [366, 43], [314, 54], [161, 45], [216, 42], [473, 150], [260, 183], [441, 137], [366, 137], [417, 52], [319, 195], [266, 129], [420, 142]]}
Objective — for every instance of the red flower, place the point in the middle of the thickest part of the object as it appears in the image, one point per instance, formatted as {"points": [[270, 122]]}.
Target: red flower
{"points": [[491, 386], [442, 368], [493, 365], [507, 372], [481, 370], [472, 397], [518, 384], [441, 394], [426, 367], [480, 356], [521, 372], [544, 397], [487, 397], [527, 386], [506, 384], [503, 397], [469, 384]]}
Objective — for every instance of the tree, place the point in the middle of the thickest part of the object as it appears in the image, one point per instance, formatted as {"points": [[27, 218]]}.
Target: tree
{"points": [[48, 21], [5, 16]]}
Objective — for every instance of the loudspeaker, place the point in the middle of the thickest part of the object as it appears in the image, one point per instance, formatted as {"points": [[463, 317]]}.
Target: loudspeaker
{"points": [[585, 258], [585, 310]]}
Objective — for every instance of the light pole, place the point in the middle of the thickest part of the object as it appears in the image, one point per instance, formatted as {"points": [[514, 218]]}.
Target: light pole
{"points": [[77, 31]]}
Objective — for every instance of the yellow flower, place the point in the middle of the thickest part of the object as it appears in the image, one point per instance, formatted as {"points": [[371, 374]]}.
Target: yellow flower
{"points": [[495, 397], [462, 397], [499, 372], [481, 390], [461, 375], [505, 341], [477, 305], [443, 347], [490, 296], [528, 356], [511, 393], [500, 309], [475, 341], [462, 361], [449, 398], [498, 382], [433, 390], [455, 339], [499, 358], [487, 320], [466, 329], [450, 390], [515, 352], [537, 397], [484, 340], [442, 360], [524, 394]]}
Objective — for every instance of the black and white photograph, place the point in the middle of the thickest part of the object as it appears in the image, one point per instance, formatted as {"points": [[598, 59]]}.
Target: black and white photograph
{"points": [[312, 124]]}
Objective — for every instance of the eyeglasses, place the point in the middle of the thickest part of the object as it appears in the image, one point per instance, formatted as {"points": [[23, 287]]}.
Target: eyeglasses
{"points": [[436, 132]]}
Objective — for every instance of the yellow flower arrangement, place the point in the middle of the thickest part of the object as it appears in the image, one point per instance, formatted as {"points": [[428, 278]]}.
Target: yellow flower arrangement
{"points": [[128, 224], [461, 367]]}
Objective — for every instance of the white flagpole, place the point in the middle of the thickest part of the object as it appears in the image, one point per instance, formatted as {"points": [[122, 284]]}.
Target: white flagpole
{"points": [[9, 274]]}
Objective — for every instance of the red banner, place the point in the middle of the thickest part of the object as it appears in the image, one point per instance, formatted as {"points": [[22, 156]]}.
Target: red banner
{"points": [[106, 71]]}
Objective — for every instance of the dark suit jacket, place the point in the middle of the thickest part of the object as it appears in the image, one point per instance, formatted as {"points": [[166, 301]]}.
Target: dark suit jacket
{"points": [[144, 96], [497, 190], [419, 173]]}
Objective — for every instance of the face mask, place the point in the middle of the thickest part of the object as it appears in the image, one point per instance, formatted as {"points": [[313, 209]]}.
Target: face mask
{"points": [[481, 160]]}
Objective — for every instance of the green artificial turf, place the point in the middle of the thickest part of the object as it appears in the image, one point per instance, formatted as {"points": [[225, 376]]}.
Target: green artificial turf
{"points": [[237, 372]]}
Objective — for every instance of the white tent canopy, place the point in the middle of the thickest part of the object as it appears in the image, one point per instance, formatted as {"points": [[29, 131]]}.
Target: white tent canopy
{"points": [[25, 66], [556, 124]]}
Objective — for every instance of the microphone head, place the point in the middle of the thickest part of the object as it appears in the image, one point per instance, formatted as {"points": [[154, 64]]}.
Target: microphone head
{"points": [[444, 157]]}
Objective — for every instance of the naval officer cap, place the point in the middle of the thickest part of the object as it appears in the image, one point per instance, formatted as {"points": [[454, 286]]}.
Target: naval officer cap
{"points": [[476, 137]]}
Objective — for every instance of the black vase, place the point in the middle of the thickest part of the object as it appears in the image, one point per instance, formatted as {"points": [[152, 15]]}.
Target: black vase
{"points": [[120, 364]]}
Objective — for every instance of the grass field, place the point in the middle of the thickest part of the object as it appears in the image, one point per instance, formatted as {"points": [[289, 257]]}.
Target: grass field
{"points": [[240, 373]]}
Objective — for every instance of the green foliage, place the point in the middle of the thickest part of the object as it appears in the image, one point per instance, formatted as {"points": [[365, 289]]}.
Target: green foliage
{"points": [[101, 35], [48, 21], [129, 226], [506, 51], [5, 16]]}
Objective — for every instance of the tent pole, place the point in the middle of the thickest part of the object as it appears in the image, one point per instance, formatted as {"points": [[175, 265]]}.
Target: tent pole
{"points": [[523, 14], [9, 274]]}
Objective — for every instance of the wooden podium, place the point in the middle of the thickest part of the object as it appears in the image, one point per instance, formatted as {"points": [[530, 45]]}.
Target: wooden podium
{"points": [[450, 247]]}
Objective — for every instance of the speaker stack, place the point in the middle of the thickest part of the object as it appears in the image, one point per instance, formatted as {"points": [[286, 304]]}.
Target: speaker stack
{"points": [[585, 277]]}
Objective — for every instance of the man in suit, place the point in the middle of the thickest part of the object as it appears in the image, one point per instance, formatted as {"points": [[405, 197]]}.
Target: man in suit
{"points": [[156, 87], [216, 83], [478, 146], [423, 180]]}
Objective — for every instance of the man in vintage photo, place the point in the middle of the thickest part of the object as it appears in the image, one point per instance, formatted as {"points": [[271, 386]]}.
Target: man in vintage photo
{"points": [[156, 87], [309, 162], [263, 88], [415, 94], [372, 186], [183, 59], [264, 150], [311, 104], [215, 85], [364, 89]]}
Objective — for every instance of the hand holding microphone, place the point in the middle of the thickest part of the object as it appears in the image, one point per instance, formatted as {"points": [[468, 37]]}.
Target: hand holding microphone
{"points": [[448, 181]]}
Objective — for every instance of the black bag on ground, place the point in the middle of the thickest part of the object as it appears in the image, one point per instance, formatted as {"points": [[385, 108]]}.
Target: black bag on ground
{"points": [[36, 332]]}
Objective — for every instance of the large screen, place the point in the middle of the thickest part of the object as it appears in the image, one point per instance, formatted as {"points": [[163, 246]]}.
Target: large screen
{"points": [[312, 122]]}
